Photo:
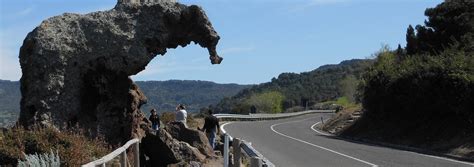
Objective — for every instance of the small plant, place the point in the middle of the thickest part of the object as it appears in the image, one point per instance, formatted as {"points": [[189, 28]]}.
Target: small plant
{"points": [[40, 160], [72, 145]]}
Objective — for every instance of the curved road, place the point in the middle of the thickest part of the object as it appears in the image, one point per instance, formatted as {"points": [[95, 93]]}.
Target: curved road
{"points": [[295, 142]]}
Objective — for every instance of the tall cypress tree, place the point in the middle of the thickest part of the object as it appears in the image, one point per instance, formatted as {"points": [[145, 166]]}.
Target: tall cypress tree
{"points": [[412, 43]]}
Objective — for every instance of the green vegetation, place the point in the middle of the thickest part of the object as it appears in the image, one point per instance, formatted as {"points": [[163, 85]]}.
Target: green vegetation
{"points": [[9, 102], [269, 102], [46, 159], [73, 147], [344, 102], [300, 90], [424, 93]]}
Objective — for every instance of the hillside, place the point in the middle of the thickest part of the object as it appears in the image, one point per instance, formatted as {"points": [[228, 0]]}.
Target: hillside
{"points": [[165, 95], [422, 95], [291, 90], [162, 95], [9, 102]]}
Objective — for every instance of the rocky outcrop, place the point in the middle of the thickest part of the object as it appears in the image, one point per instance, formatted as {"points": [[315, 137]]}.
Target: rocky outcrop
{"points": [[194, 137], [162, 150], [76, 67]]}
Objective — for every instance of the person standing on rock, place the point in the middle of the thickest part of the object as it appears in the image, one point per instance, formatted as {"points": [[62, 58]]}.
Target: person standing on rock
{"points": [[181, 114], [155, 120], [211, 126]]}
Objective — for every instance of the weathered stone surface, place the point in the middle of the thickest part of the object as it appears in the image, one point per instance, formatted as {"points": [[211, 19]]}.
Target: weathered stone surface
{"points": [[162, 149], [76, 67], [194, 137]]}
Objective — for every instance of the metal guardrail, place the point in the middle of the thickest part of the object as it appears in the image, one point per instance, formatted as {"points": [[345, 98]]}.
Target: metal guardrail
{"points": [[257, 159], [122, 151], [267, 116]]}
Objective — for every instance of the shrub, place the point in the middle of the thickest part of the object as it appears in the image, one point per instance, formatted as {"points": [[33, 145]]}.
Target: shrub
{"points": [[42, 160], [72, 145], [270, 102], [167, 117], [423, 97]]}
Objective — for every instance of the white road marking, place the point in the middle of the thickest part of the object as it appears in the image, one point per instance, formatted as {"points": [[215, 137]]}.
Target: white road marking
{"points": [[442, 158], [317, 131], [314, 145], [323, 133], [431, 156], [222, 127]]}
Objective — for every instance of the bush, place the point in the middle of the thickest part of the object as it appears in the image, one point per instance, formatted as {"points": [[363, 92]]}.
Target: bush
{"points": [[73, 146], [42, 160], [269, 102], [295, 109], [422, 97], [167, 117]]}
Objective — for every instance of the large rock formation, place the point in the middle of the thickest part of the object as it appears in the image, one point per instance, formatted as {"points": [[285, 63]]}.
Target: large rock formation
{"points": [[76, 67], [163, 149], [194, 137]]}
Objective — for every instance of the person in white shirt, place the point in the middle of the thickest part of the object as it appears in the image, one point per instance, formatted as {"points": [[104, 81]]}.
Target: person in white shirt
{"points": [[181, 114]]}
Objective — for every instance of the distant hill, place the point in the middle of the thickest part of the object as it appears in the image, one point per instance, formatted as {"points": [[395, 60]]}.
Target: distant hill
{"points": [[9, 102], [327, 82], [165, 95], [162, 95]]}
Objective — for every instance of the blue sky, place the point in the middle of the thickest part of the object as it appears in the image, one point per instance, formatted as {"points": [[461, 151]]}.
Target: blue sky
{"points": [[259, 38]]}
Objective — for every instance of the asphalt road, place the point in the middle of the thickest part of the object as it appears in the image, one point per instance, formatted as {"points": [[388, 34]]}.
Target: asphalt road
{"points": [[293, 142]]}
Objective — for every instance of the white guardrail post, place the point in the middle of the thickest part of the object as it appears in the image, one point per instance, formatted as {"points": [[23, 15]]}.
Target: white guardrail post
{"points": [[136, 156], [237, 152], [123, 159], [226, 150], [256, 162]]}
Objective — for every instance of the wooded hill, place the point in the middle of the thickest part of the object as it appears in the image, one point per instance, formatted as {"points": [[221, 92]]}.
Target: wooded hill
{"points": [[292, 90], [165, 95], [162, 95]]}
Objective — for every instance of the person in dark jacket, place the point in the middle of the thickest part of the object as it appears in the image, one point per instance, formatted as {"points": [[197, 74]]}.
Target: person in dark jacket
{"points": [[211, 126], [155, 120]]}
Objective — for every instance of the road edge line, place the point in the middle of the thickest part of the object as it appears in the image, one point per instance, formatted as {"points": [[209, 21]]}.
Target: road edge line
{"points": [[401, 149], [315, 145]]}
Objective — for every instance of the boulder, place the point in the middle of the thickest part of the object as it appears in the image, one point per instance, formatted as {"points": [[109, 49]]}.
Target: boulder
{"points": [[76, 67], [194, 137], [162, 150]]}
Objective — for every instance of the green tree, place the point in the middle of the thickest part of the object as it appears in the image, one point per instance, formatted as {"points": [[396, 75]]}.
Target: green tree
{"points": [[412, 45], [449, 24], [269, 102], [349, 87]]}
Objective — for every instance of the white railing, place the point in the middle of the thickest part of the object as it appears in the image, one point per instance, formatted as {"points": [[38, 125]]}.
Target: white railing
{"points": [[256, 158], [122, 151]]}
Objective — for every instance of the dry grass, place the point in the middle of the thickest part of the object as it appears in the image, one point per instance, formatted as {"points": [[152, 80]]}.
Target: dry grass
{"points": [[195, 122], [167, 117], [342, 120], [73, 146], [192, 121]]}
